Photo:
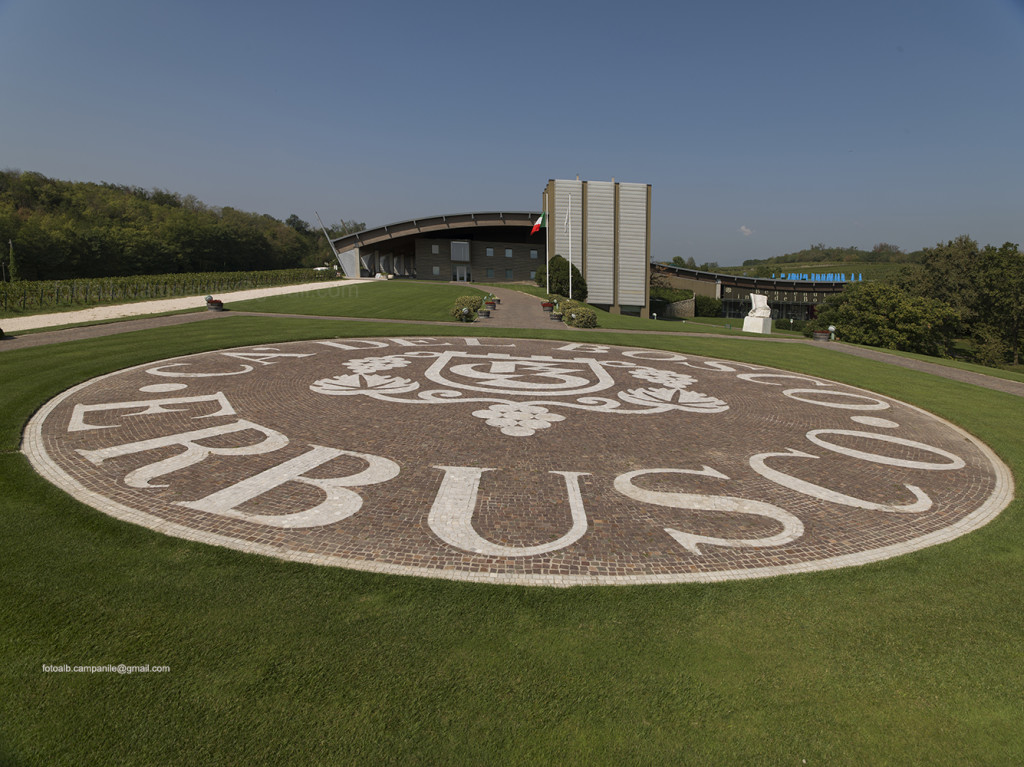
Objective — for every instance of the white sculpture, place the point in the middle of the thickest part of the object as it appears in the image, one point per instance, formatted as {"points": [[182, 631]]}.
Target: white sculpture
{"points": [[759, 318], [760, 306]]}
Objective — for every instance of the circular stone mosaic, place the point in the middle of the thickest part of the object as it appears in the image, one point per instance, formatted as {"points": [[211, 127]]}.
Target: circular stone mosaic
{"points": [[516, 461]]}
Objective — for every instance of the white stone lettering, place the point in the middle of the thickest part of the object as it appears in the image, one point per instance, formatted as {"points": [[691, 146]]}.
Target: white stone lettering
{"points": [[792, 527], [355, 344], [161, 370], [451, 516], [872, 403], [921, 503], [262, 356], [759, 378], [588, 348], [477, 342], [339, 504], [654, 355], [419, 342], [955, 462], [724, 367], [878, 423], [194, 452], [149, 407]]}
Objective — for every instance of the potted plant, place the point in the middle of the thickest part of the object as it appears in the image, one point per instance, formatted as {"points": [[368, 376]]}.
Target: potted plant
{"points": [[484, 311], [213, 305], [547, 305]]}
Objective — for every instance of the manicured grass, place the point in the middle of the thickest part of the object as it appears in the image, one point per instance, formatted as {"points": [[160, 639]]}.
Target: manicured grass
{"points": [[394, 299], [532, 290], [717, 325], [1009, 372], [915, 660]]}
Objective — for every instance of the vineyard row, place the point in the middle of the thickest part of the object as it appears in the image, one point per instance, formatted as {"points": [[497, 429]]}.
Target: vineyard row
{"points": [[26, 296]]}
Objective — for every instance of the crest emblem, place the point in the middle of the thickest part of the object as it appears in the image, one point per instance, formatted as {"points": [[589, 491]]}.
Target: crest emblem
{"points": [[546, 382]]}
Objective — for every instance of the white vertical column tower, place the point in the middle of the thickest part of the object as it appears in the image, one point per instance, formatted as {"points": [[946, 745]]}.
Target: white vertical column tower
{"points": [[599, 245], [559, 201], [634, 253], [609, 223]]}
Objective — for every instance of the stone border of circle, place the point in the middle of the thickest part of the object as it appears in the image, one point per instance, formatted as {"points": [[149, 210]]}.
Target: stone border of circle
{"points": [[33, 448]]}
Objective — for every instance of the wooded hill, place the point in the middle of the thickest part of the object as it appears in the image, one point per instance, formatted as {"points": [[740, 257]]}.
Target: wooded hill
{"points": [[55, 229], [881, 262]]}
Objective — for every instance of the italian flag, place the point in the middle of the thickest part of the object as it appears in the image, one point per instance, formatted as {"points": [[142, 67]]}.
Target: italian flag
{"points": [[542, 221]]}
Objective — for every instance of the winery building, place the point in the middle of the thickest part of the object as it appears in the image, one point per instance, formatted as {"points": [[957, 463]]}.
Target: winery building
{"points": [[602, 227]]}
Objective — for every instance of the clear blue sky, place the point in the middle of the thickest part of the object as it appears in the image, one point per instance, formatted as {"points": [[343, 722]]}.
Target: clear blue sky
{"points": [[763, 127]]}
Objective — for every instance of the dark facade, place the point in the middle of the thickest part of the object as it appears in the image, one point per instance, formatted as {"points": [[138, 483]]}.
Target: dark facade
{"points": [[788, 299]]}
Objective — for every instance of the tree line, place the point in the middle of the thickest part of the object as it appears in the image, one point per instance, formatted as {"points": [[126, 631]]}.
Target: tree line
{"points": [[883, 252], [958, 297], [54, 229]]}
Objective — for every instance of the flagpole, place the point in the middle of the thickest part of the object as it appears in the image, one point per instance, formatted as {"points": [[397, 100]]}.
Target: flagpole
{"points": [[568, 216], [547, 250]]}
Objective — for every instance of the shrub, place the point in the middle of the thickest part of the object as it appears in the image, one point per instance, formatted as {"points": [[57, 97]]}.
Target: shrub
{"points": [[566, 305], [580, 316], [706, 306], [470, 303]]}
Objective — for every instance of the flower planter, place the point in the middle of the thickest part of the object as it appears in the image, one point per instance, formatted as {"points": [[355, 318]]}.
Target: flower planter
{"points": [[547, 306], [214, 306], [484, 312], [556, 316], [820, 335], [490, 305]]}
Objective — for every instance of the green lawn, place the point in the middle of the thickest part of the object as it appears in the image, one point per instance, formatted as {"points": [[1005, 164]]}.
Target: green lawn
{"points": [[532, 290], [915, 660], [394, 299]]}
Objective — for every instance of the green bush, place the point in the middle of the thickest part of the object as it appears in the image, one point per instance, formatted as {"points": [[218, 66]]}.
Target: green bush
{"points": [[706, 306], [579, 316], [885, 315], [471, 303], [566, 305]]}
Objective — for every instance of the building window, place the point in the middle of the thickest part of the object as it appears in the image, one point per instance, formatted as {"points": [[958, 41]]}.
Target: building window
{"points": [[435, 249], [490, 252], [533, 254], [533, 275], [437, 271], [508, 252], [490, 274], [508, 274]]}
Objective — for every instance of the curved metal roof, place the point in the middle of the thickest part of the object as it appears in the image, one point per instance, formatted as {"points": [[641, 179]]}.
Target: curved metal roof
{"points": [[434, 224], [757, 283]]}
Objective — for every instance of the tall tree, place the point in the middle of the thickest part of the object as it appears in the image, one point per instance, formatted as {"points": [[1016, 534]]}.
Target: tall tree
{"points": [[985, 286]]}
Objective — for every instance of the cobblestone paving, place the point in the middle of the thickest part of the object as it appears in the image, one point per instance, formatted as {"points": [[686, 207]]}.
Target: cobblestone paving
{"points": [[516, 461]]}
